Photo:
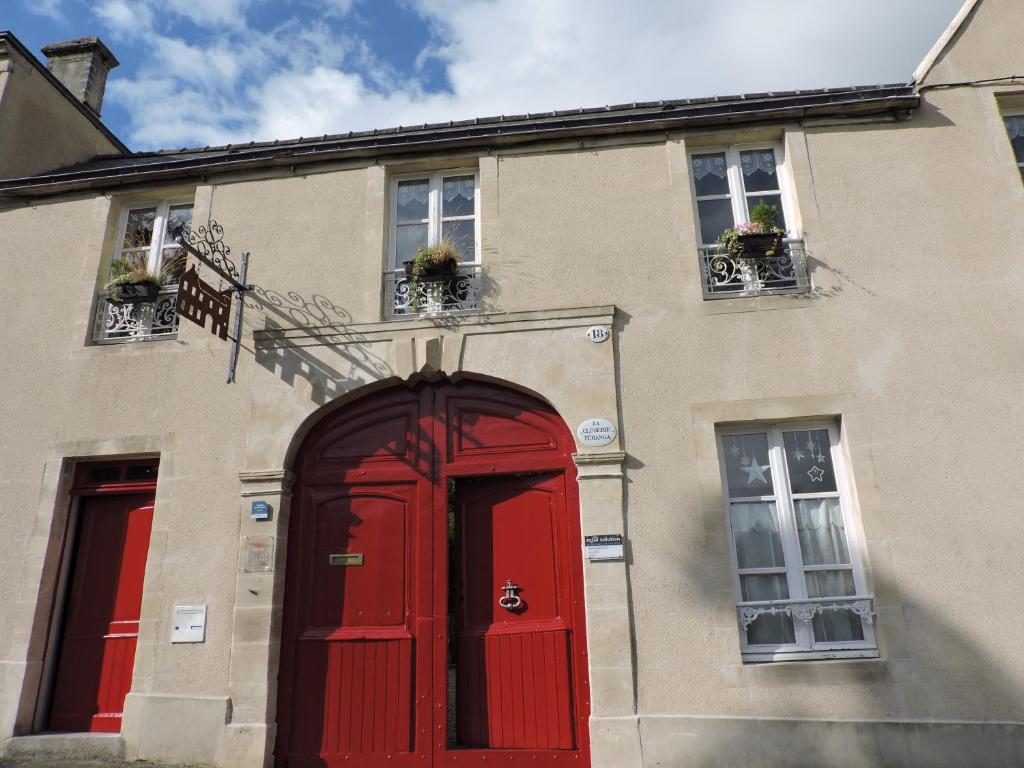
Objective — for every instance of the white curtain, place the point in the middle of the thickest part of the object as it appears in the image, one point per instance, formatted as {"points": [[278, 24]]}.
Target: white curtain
{"points": [[463, 186], [758, 160], [758, 542], [417, 191], [705, 164], [823, 541], [1015, 126], [819, 523], [755, 527]]}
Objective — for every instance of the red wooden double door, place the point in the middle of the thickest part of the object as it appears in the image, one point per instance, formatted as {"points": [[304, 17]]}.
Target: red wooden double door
{"points": [[434, 595]]}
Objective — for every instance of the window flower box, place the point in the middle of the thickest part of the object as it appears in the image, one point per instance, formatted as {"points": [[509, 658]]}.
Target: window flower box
{"points": [[138, 292]]}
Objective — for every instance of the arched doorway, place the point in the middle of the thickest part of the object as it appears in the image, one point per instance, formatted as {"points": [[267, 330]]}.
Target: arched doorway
{"points": [[434, 610]]}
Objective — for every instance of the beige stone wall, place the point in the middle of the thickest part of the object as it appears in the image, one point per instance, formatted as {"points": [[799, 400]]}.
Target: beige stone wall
{"points": [[908, 339], [41, 129], [985, 45]]}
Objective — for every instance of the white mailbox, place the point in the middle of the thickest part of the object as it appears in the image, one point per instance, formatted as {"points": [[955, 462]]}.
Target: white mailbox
{"points": [[189, 624]]}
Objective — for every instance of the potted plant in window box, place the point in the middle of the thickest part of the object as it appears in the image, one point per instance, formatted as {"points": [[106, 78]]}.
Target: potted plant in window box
{"points": [[760, 237], [431, 274], [130, 283]]}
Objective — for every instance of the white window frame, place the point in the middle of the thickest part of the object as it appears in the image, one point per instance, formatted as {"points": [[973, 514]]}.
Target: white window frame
{"points": [[156, 247], [434, 219], [1002, 119], [737, 190], [143, 329], [805, 647]]}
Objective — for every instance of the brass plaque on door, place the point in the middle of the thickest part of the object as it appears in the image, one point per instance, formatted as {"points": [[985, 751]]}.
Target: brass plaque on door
{"points": [[346, 558]]}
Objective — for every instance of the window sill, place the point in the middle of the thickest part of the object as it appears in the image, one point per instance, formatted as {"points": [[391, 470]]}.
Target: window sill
{"points": [[826, 656]]}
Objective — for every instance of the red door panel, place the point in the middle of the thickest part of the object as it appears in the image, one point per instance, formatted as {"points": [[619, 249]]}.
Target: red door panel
{"points": [[365, 674], [97, 653], [514, 665], [348, 658]]}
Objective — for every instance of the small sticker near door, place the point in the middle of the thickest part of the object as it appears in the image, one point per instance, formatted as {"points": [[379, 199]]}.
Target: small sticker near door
{"points": [[604, 547], [347, 558]]}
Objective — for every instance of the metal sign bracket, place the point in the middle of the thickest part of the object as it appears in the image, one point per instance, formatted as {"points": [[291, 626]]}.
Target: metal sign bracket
{"points": [[239, 286]]}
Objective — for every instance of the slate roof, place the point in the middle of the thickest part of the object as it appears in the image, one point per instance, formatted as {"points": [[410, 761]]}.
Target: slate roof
{"points": [[504, 130]]}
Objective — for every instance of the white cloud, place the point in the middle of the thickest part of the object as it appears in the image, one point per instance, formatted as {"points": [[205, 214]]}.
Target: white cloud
{"points": [[225, 13], [505, 57], [51, 9], [123, 18]]}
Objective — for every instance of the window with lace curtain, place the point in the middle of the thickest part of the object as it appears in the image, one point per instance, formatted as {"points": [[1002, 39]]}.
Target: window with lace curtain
{"points": [[1015, 130], [728, 184], [427, 209], [795, 552]]}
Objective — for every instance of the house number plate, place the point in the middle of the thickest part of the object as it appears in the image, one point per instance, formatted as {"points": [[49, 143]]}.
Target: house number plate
{"points": [[353, 558]]}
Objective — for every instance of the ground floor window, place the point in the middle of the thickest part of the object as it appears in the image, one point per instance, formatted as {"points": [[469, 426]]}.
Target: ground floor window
{"points": [[795, 553]]}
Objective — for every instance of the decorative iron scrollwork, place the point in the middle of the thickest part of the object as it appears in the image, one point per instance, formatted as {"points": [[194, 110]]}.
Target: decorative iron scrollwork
{"points": [[727, 275], [806, 611], [117, 322], [405, 297], [209, 241]]}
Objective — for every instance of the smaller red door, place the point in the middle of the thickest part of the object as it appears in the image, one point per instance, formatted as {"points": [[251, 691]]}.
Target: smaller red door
{"points": [[101, 628], [513, 621]]}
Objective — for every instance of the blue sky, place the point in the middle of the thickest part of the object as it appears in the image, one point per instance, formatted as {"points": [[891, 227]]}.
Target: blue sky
{"points": [[206, 72]]}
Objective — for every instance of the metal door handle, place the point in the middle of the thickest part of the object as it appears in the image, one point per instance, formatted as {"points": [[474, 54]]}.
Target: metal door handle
{"points": [[507, 597]]}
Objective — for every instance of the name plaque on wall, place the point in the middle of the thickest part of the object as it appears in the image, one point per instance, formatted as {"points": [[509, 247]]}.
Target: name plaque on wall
{"points": [[604, 547], [596, 432]]}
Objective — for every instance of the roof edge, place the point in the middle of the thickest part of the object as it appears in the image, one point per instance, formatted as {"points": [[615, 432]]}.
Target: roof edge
{"points": [[8, 37], [944, 41], [857, 102]]}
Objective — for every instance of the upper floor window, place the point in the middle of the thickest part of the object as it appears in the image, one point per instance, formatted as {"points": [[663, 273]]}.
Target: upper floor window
{"points": [[145, 244], [800, 587], [728, 184], [429, 210], [1015, 130]]}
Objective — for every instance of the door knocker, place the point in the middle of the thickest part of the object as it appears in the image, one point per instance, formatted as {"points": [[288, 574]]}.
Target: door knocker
{"points": [[507, 598]]}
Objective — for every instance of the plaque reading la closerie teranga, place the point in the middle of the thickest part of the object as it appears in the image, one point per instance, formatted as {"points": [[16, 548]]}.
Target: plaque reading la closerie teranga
{"points": [[596, 432]]}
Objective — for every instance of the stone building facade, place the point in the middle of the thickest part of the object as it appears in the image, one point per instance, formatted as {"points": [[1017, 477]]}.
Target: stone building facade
{"points": [[809, 457]]}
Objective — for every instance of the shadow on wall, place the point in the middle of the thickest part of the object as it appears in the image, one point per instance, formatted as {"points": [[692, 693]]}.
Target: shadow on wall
{"points": [[930, 670], [285, 323], [293, 324]]}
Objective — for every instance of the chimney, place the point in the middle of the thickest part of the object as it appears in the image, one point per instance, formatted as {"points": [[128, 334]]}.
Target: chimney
{"points": [[82, 66]]}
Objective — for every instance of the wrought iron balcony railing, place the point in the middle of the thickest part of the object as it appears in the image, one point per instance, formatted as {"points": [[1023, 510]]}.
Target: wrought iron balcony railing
{"points": [[726, 276], [805, 610], [117, 323], [403, 299]]}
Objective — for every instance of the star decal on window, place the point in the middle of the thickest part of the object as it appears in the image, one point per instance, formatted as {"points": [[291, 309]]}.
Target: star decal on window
{"points": [[755, 471]]}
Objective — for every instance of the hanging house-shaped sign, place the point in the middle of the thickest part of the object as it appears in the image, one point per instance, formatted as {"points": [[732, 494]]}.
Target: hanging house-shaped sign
{"points": [[198, 300]]}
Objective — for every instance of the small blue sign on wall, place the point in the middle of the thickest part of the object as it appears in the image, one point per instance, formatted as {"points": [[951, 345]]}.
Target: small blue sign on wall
{"points": [[260, 510]]}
